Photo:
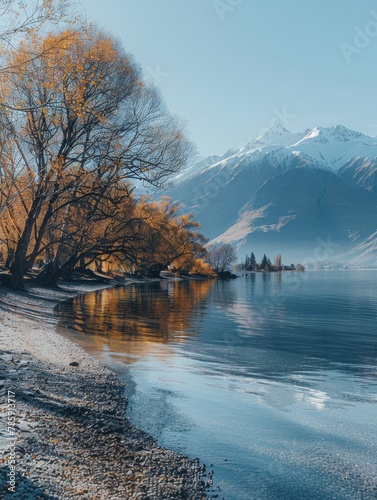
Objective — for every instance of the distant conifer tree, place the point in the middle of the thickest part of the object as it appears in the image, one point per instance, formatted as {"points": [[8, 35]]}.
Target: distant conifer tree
{"points": [[247, 263], [264, 262], [253, 262]]}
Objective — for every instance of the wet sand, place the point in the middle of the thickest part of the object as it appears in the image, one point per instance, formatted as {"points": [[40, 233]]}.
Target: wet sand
{"points": [[70, 436]]}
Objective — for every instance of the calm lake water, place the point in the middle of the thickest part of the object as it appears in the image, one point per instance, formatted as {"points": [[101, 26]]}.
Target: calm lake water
{"points": [[272, 378]]}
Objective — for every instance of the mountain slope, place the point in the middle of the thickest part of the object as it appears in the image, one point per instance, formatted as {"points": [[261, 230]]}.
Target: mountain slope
{"points": [[217, 194], [361, 172], [299, 207], [286, 191]]}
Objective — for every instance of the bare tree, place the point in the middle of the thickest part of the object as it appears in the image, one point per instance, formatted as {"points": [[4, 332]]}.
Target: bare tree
{"points": [[20, 17], [221, 257]]}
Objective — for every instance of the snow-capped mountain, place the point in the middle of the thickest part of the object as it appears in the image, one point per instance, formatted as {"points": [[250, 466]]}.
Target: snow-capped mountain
{"points": [[335, 146], [285, 191], [330, 147], [276, 136]]}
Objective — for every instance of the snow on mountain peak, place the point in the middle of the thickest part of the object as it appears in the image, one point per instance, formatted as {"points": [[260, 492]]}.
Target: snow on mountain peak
{"points": [[342, 133], [315, 132], [276, 136], [330, 147], [275, 131], [336, 133], [334, 146]]}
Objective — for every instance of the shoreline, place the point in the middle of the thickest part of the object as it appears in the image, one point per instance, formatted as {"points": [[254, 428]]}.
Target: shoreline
{"points": [[71, 436]]}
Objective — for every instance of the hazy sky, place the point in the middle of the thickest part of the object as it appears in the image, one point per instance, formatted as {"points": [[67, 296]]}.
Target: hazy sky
{"points": [[232, 68]]}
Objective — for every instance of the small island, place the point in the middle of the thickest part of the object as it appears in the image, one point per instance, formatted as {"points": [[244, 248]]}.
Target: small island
{"points": [[265, 265]]}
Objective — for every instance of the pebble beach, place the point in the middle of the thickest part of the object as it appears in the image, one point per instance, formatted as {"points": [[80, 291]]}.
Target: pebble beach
{"points": [[63, 430]]}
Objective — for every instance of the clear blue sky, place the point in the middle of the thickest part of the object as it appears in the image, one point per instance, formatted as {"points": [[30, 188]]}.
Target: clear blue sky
{"points": [[230, 67]]}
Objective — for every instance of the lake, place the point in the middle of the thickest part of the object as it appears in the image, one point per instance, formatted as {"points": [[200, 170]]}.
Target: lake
{"points": [[270, 378]]}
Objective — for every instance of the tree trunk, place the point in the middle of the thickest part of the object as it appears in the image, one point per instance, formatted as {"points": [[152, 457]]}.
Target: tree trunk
{"points": [[10, 257], [41, 232], [48, 276], [19, 265], [70, 264]]}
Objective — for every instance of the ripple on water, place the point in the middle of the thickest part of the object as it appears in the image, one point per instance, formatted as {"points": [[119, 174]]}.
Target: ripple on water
{"points": [[270, 380]]}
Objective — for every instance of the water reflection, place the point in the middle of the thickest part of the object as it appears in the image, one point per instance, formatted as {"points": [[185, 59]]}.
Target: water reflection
{"points": [[258, 316], [274, 372], [124, 318], [308, 315]]}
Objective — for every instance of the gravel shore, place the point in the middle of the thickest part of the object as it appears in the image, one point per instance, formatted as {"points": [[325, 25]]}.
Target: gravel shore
{"points": [[70, 437]]}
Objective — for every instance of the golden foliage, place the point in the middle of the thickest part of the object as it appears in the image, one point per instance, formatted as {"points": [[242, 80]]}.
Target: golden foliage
{"points": [[76, 126]]}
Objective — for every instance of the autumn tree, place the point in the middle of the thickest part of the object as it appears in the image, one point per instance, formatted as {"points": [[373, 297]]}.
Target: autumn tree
{"points": [[200, 266], [96, 228], [277, 262], [18, 19], [168, 238], [81, 121], [221, 257]]}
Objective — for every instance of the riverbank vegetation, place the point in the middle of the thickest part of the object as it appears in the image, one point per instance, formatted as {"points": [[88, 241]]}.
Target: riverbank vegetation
{"points": [[251, 264]]}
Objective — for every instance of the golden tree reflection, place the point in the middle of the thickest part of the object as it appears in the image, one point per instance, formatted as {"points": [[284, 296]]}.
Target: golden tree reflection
{"points": [[129, 319]]}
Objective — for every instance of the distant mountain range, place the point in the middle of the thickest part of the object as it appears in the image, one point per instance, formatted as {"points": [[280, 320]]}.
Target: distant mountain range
{"points": [[309, 196]]}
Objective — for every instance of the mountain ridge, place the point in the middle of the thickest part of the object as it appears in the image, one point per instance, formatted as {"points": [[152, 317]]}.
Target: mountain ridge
{"points": [[267, 195]]}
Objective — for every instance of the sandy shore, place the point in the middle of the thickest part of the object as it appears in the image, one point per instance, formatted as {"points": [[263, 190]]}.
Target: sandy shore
{"points": [[70, 438]]}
